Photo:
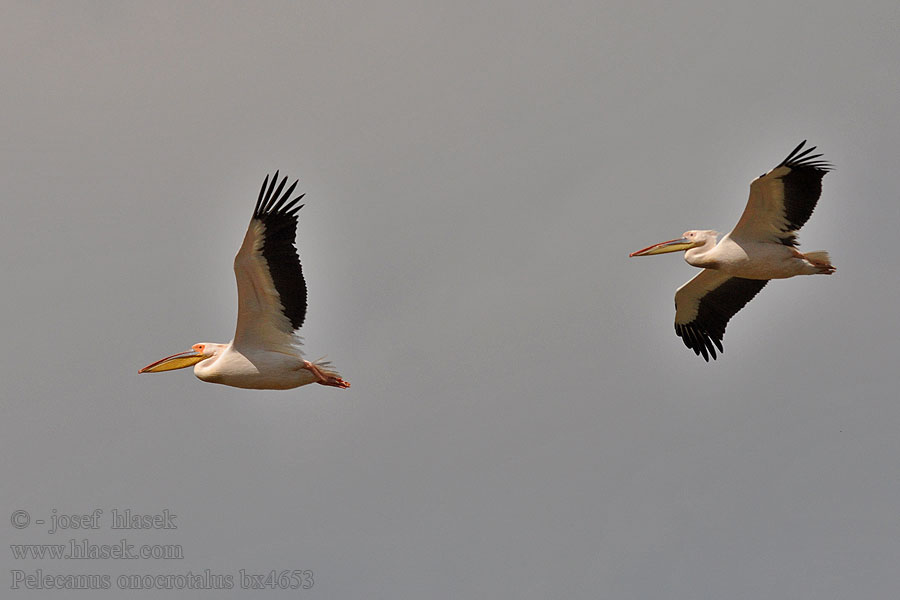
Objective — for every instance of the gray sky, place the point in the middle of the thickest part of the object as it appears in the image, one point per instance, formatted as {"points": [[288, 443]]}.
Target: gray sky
{"points": [[523, 421]]}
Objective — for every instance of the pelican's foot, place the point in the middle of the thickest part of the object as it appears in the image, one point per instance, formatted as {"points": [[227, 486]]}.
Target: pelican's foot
{"points": [[822, 268], [326, 378], [820, 261]]}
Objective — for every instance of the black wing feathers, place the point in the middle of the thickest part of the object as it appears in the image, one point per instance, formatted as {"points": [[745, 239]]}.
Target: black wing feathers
{"points": [[713, 313], [280, 219], [802, 187]]}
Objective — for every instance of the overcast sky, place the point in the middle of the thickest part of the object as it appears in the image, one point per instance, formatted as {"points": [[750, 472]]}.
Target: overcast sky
{"points": [[523, 421]]}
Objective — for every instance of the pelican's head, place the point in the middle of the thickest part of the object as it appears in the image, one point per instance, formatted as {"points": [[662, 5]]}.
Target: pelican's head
{"points": [[182, 360], [690, 239]]}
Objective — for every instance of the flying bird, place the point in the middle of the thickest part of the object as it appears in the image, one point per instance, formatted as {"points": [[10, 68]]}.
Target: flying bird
{"points": [[762, 246], [265, 352]]}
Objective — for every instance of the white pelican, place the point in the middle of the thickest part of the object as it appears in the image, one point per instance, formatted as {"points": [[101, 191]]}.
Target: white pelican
{"points": [[265, 352], [762, 246]]}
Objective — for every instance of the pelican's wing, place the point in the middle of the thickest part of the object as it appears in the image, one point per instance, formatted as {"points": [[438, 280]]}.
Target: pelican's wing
{"points": [[704, 305], [783, 199], [271, 288]]}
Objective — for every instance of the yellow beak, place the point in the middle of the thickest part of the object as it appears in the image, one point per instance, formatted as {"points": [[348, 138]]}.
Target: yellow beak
{"points": [[663, 247], [176, 361]]}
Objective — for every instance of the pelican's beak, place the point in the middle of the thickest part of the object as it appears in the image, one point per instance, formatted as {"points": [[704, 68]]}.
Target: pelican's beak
{"points": [[176, 361], [663, 247]]}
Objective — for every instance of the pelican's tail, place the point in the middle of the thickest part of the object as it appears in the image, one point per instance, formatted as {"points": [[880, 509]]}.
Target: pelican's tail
{"points": [[326, 367], [821, 261], [328, 374]]}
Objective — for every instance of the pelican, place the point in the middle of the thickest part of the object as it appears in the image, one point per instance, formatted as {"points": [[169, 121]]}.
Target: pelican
{"points": [[762, 246], [265, 352]]}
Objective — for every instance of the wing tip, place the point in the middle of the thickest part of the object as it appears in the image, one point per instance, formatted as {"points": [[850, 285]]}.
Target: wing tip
{"points": [[272, 202], [700, 341], [797, 159]]}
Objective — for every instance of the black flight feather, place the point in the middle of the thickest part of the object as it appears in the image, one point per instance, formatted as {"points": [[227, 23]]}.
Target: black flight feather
{"points": [[280, 220], [713, 313]]}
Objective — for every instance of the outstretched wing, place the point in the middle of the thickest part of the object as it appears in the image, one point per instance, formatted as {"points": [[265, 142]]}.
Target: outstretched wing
{"points": [[271, 288], [705, 304], [782, 200]]}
